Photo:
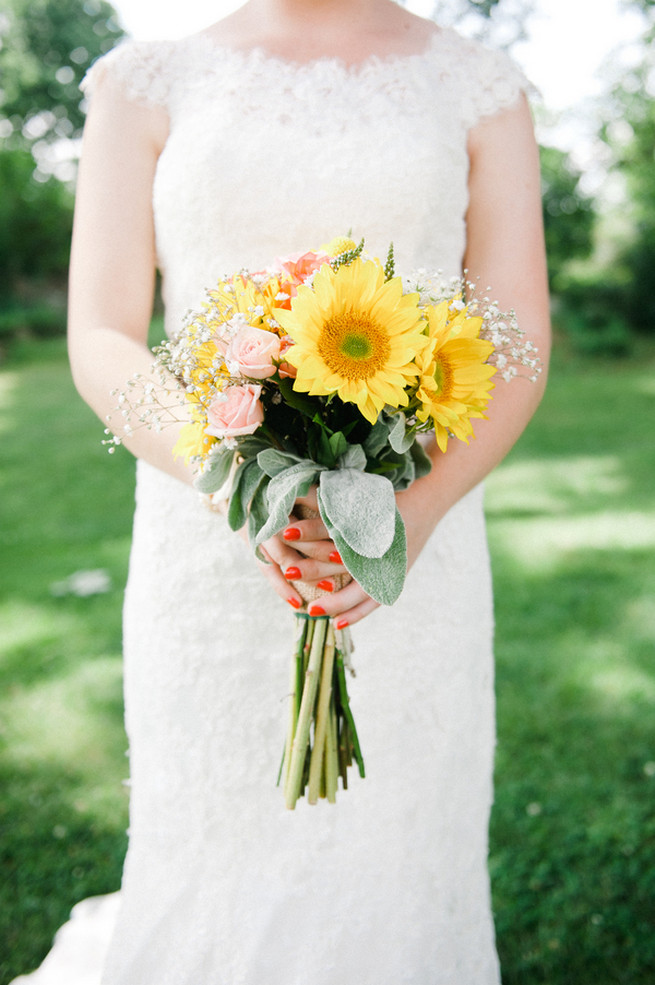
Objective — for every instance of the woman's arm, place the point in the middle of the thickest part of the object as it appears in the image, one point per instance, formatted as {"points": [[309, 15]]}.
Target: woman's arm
{"points": [[111, 290], [505, 253], [112, 269]]}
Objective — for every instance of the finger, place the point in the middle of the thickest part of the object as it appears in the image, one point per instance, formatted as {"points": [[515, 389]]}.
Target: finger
{"points": [[312, 528], [280, 584], [356, 614], [312, 570], [348, 605]]}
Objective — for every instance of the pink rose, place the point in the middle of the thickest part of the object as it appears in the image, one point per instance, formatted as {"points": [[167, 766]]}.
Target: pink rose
{"points": [[251, 353], [238, 411]]}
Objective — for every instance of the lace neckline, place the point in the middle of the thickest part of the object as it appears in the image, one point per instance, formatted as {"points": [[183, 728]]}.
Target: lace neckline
{"points": [[260, 57]]}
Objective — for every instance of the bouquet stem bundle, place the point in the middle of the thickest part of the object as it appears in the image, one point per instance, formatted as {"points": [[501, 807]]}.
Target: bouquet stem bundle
{"points": [[322, 739]]}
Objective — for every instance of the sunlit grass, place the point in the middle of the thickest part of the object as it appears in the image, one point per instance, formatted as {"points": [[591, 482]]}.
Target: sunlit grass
{"points": [[571, 528], [572, 531]]}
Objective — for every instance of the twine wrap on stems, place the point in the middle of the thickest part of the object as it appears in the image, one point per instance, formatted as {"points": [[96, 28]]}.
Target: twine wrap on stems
{"points": [[310, 593]]}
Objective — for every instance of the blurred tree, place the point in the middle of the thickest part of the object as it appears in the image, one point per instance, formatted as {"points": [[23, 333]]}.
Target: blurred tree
{"points": [[568, 214], [46, 47], [629, 131], [35, 223]]}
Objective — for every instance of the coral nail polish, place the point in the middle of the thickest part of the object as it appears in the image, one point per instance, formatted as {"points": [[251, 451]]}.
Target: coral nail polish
{"points": [[341, 623], [325, 585], [295, 603], [292, 574], [335, 557], [316, 610], [291, 533]]}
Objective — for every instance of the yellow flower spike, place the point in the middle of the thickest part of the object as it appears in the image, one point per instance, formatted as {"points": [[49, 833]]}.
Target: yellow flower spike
{"points": [[356, 336], [339, 245]]}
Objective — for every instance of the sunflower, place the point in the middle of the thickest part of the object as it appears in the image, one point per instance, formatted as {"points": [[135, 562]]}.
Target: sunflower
{"points": [[356, 336], [455, 378]]}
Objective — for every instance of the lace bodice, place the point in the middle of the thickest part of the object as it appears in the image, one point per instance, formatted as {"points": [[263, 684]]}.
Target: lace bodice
{"points": [[263, 153]]}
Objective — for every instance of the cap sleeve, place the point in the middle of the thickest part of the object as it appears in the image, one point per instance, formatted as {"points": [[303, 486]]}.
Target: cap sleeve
{"points": [[139, 68], [494, 82]]}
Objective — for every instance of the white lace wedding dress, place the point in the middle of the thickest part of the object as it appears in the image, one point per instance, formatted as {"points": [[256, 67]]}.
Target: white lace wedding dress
{"points": [[222, 885]]}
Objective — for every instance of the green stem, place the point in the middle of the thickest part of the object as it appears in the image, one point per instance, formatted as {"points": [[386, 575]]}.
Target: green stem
{"points": [[301, 738], [331, 755], [322, 716], [347, 713], [295, 685]]}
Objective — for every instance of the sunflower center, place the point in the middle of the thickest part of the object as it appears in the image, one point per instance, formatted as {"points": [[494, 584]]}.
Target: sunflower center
{"points": [[443, 377], [353, 345]]}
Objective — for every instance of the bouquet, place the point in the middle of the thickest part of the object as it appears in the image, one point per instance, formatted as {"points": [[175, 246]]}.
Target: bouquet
{"points": [[323, 370]]}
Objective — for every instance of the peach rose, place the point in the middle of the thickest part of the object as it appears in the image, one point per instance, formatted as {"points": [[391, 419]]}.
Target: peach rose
{"points": [[285, 369], [294, 270], [298, 266], [239, 411], [251, 353]]}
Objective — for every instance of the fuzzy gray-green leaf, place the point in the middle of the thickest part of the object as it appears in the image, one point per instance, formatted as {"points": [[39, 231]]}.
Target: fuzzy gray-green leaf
{"points": [[382, 578], [216, 474], [361, 507]]}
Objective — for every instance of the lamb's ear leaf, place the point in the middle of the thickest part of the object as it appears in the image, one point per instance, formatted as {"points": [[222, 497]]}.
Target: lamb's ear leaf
{"points": [[282, 492], [271, 461], [246, 480], [383, 577], [217, 471], [361, 506]]}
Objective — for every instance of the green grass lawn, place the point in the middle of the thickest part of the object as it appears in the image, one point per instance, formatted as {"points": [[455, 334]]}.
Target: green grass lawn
{"points": [[572, 530]]}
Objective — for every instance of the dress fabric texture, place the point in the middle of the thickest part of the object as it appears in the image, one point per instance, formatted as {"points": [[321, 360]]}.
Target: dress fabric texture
{"points": [[223, 885]]}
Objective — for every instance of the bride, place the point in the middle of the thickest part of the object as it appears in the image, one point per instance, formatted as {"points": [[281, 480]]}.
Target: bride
{"points": [[279, 127]]}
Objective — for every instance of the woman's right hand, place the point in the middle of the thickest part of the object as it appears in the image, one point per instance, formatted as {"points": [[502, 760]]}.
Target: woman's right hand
{"points": [[303, 552]]}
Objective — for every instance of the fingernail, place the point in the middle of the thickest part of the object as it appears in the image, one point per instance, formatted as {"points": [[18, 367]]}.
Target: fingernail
{"points": [[326, 585], [291, 574], [295, 603], [341, 623], [335, 557], [316, 610], [292, 533]]}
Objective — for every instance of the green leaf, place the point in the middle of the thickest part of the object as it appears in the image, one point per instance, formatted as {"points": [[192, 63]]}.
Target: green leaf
{"points": [[283, 490], [216, 475], [338, 445], [319, 447], [361, 507], [382, 578], [405, 472], [258, 513], [399, 439], [301, 402], [354, 457], [246, 479], [272, 462], [422, 461], [378, 438]]}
